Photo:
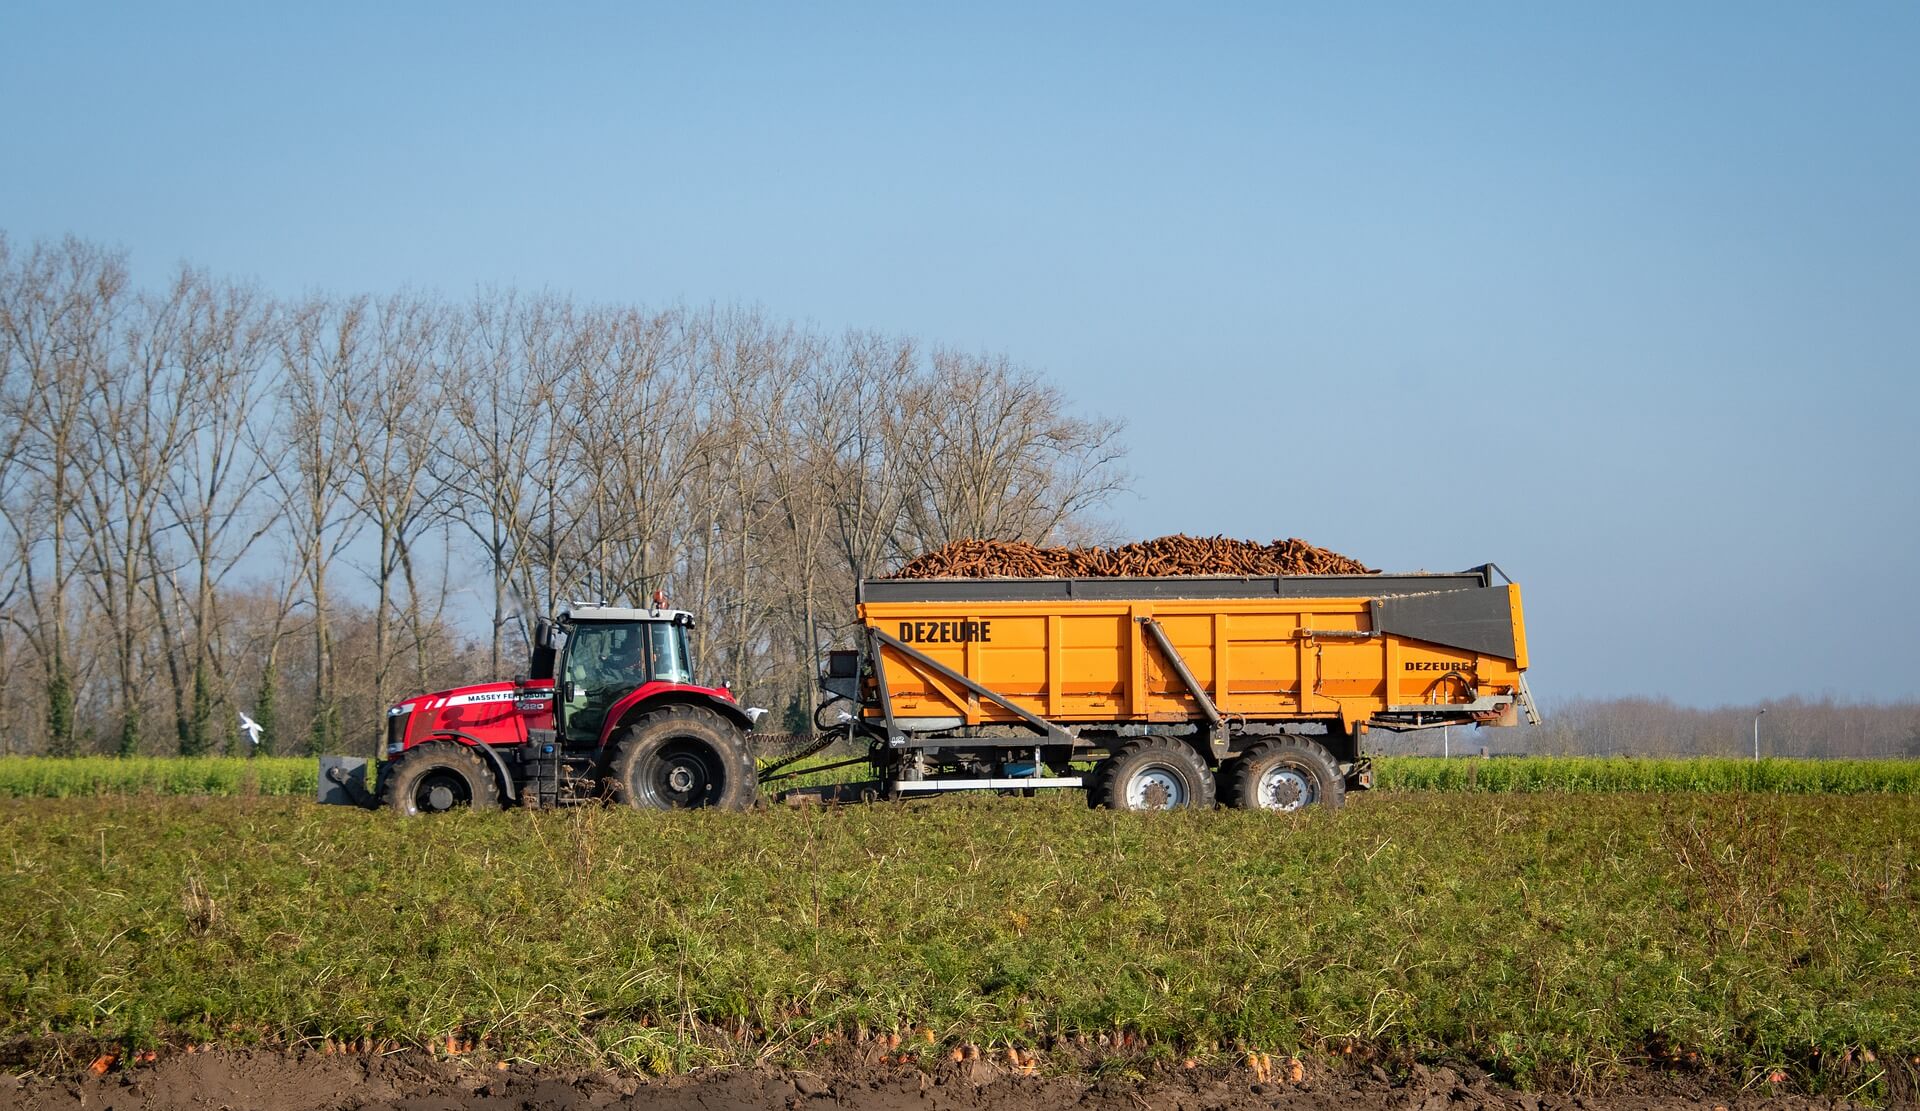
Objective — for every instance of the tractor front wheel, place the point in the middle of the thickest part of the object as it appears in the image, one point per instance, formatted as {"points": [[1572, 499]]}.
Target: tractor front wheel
{"points": [[441, 776], [682, 757]]}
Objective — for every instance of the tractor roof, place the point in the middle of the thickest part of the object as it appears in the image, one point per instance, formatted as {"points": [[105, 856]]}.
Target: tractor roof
{"points": [[579, 614]]}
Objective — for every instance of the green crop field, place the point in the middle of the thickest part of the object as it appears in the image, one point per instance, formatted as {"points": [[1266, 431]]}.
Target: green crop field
{"points": [[89, 776], [1542, 936], [1623, 773], [93, 776]]}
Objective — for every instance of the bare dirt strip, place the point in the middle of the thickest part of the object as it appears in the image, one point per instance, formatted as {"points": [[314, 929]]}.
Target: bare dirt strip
{"points": [[241, 1080]]}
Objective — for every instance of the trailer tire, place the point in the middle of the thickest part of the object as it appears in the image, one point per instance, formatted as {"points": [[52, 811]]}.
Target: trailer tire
{"points": [[682, 757], [1152, 773], [438, 777], [1285, 775]]}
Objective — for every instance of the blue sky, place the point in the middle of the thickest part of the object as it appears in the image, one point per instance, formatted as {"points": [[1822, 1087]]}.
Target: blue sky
{"points": [[1624, 298]]}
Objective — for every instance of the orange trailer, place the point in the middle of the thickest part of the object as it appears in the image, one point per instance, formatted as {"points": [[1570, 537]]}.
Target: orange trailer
{"points": [[1257, 691]]}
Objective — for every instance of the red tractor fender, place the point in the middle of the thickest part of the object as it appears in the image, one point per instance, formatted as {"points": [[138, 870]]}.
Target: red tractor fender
{"points": [[651, 696]]}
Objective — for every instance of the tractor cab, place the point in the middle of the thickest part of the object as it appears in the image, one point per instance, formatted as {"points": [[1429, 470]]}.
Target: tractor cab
{"points": [[598, 656]]}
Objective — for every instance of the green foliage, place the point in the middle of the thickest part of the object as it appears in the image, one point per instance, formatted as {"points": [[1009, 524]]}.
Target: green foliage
{"points": [[1540, 937], [321, 738], [60, 740], [264, 709], [1582, 774], [92, 776], [797, 717], [129, 743], [198, 738]]}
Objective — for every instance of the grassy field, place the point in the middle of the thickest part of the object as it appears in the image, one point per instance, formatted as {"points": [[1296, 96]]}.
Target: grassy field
{"points": [[296, 776], [1542, 937], [95, 776]]}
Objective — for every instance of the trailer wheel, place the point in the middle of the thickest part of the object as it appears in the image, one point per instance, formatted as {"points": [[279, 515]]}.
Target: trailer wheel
{"points": [[1152, 774], [438, 777], [681, 757], [1285, 775]]}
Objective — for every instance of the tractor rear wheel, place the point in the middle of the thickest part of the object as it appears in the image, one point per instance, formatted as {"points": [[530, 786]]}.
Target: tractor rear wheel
{"points": [[1285, 775], [682, 757], [441, 776], [1152, 774]]}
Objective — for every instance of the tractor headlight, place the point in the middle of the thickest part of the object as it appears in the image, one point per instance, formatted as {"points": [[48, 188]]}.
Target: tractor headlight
{"points": [[397, 720]]}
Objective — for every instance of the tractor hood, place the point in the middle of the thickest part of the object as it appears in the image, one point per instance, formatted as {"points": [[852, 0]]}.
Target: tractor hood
{"points": [[477, 694], [485, 713]]}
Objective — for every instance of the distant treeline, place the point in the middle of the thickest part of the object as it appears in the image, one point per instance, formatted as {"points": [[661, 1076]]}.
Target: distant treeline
{"points": [[214, 501], [1656, 727]]}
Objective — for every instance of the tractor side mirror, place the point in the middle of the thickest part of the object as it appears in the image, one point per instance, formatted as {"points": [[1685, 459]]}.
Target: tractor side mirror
{"points": [[541, 666]]}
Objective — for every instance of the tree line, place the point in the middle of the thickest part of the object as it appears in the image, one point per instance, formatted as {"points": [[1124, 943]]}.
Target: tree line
{"points": [[216, 501]]}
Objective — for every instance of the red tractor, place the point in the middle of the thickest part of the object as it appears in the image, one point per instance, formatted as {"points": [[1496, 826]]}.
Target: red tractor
{"points": [[610, 711]]}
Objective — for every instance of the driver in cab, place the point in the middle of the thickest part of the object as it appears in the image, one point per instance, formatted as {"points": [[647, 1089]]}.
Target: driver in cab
{"points": [[625, 665]]}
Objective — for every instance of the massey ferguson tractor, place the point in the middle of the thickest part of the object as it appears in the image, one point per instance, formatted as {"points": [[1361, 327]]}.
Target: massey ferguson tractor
{"points": [[610, 711]]}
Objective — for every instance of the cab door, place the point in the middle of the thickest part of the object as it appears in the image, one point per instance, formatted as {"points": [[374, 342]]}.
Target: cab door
{"points": [[604, 662]]}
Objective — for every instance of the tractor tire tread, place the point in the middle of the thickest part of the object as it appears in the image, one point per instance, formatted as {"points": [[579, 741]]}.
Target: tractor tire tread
{"points": [[740, 784], [397, 786]]}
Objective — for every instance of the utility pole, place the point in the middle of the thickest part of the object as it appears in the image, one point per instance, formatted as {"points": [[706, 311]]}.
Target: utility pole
{"points": [[1756, 732]]}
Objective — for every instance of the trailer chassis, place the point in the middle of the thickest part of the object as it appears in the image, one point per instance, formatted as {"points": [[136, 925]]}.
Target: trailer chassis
{"points": [[910, 763]]}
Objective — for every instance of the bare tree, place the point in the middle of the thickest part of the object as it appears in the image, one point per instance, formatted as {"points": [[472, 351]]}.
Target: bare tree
{"points": [[140, 424], [14, 382], [224, 352], [322, 350], [796, 429], [860, 407], [634, 437], [990, 451], [393, 421], [499, 409], [57, 314]]}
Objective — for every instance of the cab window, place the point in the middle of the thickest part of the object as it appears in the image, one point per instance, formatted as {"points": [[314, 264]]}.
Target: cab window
{"points": [[667, 651]]}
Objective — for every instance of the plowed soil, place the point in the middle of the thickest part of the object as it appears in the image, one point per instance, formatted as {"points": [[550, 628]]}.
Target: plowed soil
{"points": [[275, 1081]]}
